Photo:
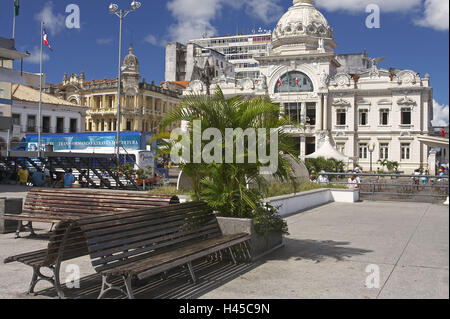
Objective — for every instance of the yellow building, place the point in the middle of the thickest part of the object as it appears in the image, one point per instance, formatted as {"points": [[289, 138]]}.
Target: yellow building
{"points": [[143, 105]]}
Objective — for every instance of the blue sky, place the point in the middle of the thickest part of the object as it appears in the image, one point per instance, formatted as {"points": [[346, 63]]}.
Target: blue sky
{"points": [[413, 33]]}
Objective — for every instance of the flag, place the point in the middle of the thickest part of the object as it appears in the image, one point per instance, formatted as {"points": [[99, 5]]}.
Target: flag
{"points": [[296, 80], [279, 82], [46, 42], [442, 132], [16, 8]]}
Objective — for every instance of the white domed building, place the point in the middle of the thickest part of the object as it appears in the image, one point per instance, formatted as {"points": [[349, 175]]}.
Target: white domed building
{"points": [[347, 101]]}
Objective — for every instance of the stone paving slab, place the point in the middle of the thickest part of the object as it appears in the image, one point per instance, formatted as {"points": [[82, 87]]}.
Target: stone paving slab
{"points": [[325, 256]]}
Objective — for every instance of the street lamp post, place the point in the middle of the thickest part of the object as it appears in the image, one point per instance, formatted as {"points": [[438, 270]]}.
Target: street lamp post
{"points": [[121, 14], [371, 150]]}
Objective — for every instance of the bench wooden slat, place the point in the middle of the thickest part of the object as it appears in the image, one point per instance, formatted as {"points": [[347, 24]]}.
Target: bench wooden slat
{"points": [[55, 205], [178, 254]]}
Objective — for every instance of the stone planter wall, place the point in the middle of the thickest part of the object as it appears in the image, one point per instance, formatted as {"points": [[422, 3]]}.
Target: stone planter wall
{"points": [[295, 203], [259, 245], [9, 206]]}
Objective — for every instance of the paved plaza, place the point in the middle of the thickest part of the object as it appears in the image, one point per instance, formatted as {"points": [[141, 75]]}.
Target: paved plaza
{"points": [[326, 255]]}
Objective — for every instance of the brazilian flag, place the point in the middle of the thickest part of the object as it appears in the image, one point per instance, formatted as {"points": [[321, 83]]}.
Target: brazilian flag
{"points": [[16, 7]]}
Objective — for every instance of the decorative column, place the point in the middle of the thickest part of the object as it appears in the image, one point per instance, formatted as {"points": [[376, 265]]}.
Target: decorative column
{"points": [[303, 113], [325, 112], [319, 115], [432, 162]]}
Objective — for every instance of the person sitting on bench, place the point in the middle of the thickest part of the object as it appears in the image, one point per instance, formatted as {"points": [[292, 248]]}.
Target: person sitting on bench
{"points": [[69, 179]]}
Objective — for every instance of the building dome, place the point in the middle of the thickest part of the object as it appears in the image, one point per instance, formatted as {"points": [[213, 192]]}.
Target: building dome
{"points": [[131, 62], [302, 23]]}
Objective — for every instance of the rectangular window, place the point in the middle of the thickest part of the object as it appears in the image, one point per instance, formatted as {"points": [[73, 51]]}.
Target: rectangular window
{"points": [[341, 148], [73, 125], [341, 117], [363, 151], [364, 117], [384, 151], [384, 117], [31, 123], [406, 116], [45, 124], [16, 119], [128, 125], [406, 151], [311, 113], [293, 112], [59, 125]]}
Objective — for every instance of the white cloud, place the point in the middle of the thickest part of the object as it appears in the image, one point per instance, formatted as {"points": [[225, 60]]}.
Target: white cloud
{"points": [[436, 15], [427, 13], [355, 6], [104, 41], [440, 114], [35, 56], [152, 40], [194, 16], [54, 23], [265, 10]]}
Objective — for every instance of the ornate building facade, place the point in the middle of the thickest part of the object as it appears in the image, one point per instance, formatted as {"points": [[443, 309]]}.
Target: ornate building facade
{"points": [[364, 111], [143, 105]]}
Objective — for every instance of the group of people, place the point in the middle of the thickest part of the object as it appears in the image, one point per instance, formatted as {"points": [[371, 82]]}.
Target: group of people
{"points": [[39, 178], [322, 180]]}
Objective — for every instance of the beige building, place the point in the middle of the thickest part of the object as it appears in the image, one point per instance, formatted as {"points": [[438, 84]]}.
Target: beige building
{"points": [[368, 113], [143, 105]]}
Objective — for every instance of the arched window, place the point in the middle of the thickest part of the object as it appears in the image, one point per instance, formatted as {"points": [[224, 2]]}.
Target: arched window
{"points": [[294, 81]]}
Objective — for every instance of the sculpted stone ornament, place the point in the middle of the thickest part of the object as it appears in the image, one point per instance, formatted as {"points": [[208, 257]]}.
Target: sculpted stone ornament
{"points": [[374, 72], [196, 86], [324, 80], [321, 47], [406, 77], [262, 82]]}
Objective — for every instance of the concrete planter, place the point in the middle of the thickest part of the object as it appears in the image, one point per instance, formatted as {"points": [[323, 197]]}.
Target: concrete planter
{"points": [[295, 203], [9, 206], [259, 245]]}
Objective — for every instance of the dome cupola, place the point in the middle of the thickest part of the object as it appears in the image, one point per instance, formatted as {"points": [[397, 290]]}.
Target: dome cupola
{"points": [[131, 62], [303, 25]]}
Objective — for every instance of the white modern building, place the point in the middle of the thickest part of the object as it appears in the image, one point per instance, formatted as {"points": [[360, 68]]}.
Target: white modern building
{"points": [[8, 54], [241, 50], [188, 62], [58, 115], [364, 110]]}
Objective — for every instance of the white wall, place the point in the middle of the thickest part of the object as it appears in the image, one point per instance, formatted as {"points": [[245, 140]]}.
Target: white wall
{"points": [[53, 111], [295, 203]]}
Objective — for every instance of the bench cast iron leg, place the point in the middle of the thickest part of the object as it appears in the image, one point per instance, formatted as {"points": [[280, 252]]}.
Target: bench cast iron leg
{"points": [[232, 255], [106, 287], [38, 276], [127, 281], [191, 272], [20, 226]]}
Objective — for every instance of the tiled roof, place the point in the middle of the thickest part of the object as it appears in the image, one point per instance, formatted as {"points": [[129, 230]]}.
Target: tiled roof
{"points": [[26, 93]]}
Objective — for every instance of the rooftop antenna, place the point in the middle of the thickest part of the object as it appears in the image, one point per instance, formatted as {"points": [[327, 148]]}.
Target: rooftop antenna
{"points": [[205, 34]]}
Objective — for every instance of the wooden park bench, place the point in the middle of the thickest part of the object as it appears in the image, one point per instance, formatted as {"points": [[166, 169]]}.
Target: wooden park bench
{"points": [[57, 205], [144, 243], [66, 242]]}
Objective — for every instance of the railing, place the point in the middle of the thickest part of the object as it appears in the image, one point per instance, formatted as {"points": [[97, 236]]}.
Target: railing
{"points": [[396, 186]]}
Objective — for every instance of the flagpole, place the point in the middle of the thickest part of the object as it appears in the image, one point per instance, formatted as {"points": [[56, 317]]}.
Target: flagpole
{"points": [[40, 94], [14, 25]]}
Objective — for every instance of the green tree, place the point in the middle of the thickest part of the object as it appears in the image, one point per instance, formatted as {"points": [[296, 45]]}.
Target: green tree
{"points": [[236, 189]]}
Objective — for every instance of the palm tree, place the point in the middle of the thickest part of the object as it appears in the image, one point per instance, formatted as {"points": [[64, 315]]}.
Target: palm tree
{"points": [[234, 189]]}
